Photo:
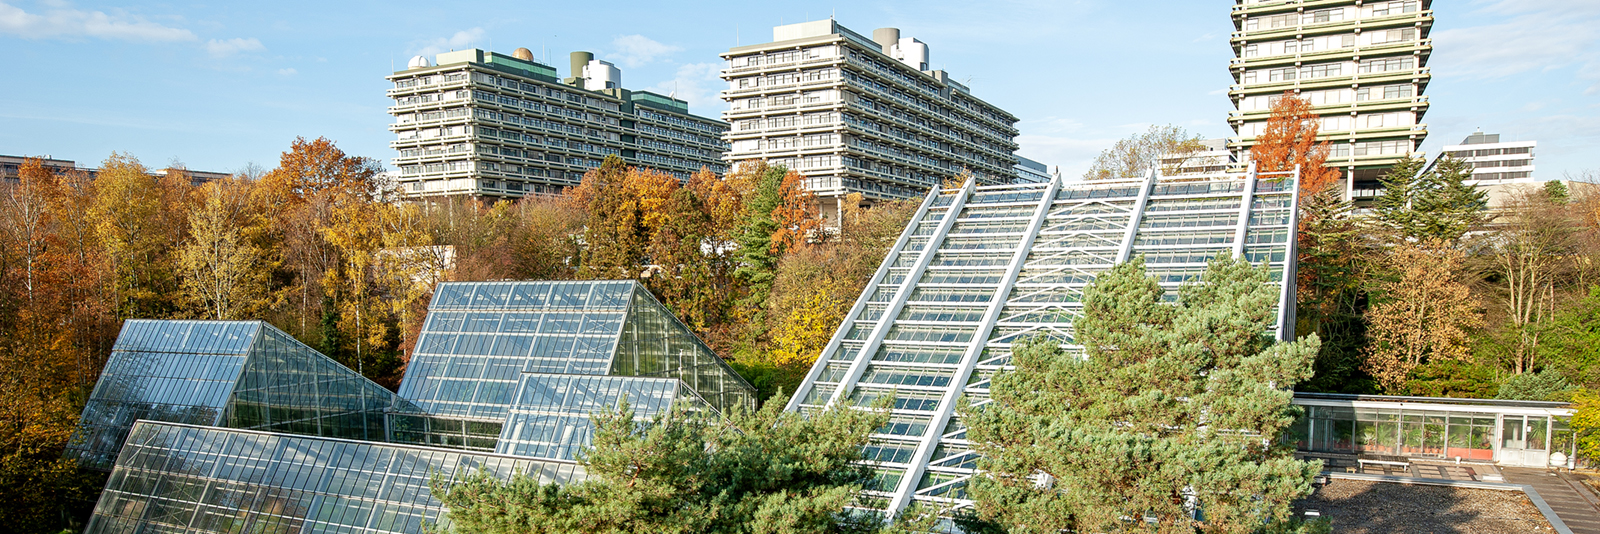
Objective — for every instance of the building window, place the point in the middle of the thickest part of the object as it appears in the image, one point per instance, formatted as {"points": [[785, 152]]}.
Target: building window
{"points": [[1251, 50], [1325, 15], [1387, 65], [1281, 75]]}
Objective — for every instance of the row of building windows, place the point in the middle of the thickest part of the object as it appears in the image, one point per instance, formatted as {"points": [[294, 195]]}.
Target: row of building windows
{"points": [[1323, 16], [1329, 70]]}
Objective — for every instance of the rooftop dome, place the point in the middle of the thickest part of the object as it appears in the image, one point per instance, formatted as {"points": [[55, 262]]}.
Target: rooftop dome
{"points": [[523, 54], [418, 63]]}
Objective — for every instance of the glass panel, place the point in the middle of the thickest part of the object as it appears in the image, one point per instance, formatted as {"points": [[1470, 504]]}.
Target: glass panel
{"points": [[285, 483]]}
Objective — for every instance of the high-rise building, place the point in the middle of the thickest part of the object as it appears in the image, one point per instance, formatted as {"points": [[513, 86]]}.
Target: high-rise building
{"points": [[980, 268], [1361, 64], [492, 126], [860, 115]]}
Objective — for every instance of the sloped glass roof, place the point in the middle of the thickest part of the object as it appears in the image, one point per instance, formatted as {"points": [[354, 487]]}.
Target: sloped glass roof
{"points": [[242, 374], [979, 268], [480, 338], [182, 478]]}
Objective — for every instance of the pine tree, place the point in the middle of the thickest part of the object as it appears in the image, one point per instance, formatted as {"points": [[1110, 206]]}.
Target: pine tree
{"points": [[769, 471], [1432, 204], [1170, 408]]}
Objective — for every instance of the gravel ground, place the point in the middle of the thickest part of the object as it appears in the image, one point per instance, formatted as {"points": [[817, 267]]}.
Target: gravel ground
{"points": [[1362, 507]]}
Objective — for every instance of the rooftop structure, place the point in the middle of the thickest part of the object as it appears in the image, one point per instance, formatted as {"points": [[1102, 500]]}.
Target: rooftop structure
{"points": [[860, 115], [486, 125], [980, 267], [237, 374], [1361, 64], [1504, 170]]}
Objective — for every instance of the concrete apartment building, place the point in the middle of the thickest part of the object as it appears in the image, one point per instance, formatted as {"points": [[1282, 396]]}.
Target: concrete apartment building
{"points": [[860, 115], [490, 126], [1362, 64]]}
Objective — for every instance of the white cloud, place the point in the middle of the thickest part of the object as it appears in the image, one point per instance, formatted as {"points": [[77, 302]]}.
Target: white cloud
{"points": [[637, 50], [64, 22], [288, 72], [228, 47], [697, 84], [1531, 35], [461, 39]]}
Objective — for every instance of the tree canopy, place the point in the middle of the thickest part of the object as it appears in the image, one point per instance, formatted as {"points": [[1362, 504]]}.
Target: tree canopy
{"points": [[1171, 408]]}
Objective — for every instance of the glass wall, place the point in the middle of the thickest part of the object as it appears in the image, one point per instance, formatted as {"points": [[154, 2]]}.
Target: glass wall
{"points": [[488, 348], [241, 374], [180, 478], [552, 416], [179, 371], [1482, 432]]}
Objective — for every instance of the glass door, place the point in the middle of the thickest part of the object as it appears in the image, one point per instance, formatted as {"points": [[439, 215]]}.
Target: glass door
{"points": [[1523, 440]]}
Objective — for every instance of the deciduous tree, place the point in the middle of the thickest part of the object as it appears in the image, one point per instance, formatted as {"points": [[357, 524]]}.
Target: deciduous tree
{"points": [[1290, 141], [1138, 154], [1423, 311]]}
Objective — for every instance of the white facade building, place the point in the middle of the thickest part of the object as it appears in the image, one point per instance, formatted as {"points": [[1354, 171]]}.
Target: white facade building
{"points": [[1361, 64], [490, 126], [860, 115]]}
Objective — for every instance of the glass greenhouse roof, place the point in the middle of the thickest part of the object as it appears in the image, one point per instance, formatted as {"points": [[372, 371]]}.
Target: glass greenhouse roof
{"points": [[240, 374], [183, 478], [979, 268]]}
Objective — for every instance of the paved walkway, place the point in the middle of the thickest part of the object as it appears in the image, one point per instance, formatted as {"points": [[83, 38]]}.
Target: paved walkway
{"points": [[1577, 510]]}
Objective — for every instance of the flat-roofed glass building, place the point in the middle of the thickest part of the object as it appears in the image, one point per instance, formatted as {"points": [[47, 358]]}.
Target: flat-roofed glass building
{"points": [[979, 268], [238, 374]]}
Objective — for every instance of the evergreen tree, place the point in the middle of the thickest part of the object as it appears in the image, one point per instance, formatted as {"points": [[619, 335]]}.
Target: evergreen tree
{"points": [[1169, 410], [1432, 204], [1556, 192], [769, 471], [758, 260]]}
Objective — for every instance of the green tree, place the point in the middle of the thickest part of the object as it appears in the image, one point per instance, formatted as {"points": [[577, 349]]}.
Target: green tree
{"points": [[1330, 289], [758, 257], [1168, 409], [1573, 341], [1546, 385], [1420, 204], [768, 471]]}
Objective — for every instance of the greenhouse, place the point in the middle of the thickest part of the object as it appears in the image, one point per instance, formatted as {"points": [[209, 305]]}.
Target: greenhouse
{"points": [[979, 268], [1519, 433], [237, 374]]}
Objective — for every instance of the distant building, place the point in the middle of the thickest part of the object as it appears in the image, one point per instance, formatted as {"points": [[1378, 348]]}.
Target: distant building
{"points": [[1501, 169], [860, 115], [486, 125], [10, 166], [1361, 64], [1031, 172], [1214, 158]]}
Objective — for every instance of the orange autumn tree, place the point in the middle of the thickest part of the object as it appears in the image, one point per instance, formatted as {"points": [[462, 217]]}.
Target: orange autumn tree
{"points": [[1290, 139]]}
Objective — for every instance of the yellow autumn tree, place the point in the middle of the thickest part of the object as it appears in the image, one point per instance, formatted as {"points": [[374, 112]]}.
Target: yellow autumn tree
{"points": [[806, 330], [1422, 313], [127, 212], [222, 272]]}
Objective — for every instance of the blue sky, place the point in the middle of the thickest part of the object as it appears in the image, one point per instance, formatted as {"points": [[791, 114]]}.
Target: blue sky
{"points": [[219, 85]]}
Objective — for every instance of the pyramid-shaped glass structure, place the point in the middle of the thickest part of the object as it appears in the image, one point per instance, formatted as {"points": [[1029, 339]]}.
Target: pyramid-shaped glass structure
{"points": [[518, 367], [239, 374], [979, 268]]}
